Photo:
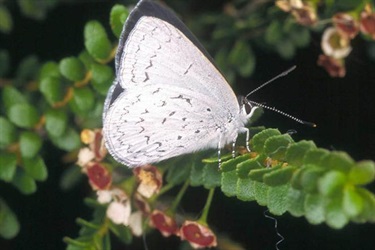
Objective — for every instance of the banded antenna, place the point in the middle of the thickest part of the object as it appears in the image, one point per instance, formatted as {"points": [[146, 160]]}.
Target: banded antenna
{"points": [[282, 74]]}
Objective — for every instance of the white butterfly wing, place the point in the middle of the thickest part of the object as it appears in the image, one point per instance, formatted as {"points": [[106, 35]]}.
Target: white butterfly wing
{"points": [[159, 123], [174, 100], [159, 51]]}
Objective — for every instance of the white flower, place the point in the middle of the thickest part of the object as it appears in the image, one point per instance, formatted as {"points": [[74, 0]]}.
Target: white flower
{"points": [[119, 212], [135, 223], [334, 44], [104, 196], [85, 155]]}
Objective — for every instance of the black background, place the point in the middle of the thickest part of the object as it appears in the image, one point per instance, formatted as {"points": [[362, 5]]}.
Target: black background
{"points": [[343, 109]]}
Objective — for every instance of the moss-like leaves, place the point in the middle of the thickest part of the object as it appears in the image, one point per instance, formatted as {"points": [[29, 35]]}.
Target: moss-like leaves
{"points": [[299, 178]]}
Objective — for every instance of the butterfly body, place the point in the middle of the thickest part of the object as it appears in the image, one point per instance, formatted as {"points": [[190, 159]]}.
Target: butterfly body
{"points": [[168, 99]]}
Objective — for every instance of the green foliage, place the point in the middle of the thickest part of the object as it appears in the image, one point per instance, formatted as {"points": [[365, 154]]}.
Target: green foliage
{"points": [[72, 69], [117, 18], [74, 87], [97, 42], [6, 22], [9, 225], [320, 185]]}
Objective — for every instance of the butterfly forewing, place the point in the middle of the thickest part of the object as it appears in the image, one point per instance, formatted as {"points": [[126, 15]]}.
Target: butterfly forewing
{"points": [[173, 101]]}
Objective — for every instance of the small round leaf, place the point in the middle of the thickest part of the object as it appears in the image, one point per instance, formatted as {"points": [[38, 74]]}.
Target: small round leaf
{"points": [[52, 89], [96, 41], [56, 122], [35, 168], [30, 144], [83, 100], [8, 163], [24, 183], [7, 132], [23, 115], [72, 68], [117, 18]]}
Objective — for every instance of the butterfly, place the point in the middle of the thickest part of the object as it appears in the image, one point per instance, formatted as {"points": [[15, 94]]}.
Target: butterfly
{"points": [[168, 98]]}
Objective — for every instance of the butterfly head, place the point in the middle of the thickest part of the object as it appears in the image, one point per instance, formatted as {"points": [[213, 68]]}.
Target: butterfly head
{"points": [[246, 107]]}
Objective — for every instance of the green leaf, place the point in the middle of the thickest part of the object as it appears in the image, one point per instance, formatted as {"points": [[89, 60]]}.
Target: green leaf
{"points": [[221, 59], [6, 22], [244, 168], [7, 132], [259, 140], [335, 216], [117, 18], [36, 9], [8, 163], [24, 183], [212, 176], [309, 177], [276, 146], [12, 96], [124, 234], [30, 144], [83, 100], [36, 168], [23, 115], [9, 225], [242, 57], [49, 69], [27, 70], [72, 68], [70, 178], [352, 202], [56, 122], [331, 183], [338, 161], [315, 156], [368, 211], [196, 174], [96, 41], [232, 163], [285, 48], [295, 202], [314, 208], [260, 193], [277, 199], [86, 59], [273, 33], [258, 174], [245, 189], [279, 176], [68, 141], [102, 77], [178, 174], [4, 62], [52, 88], [297, 151], [229, 183], [300, 37], [362, 173]]}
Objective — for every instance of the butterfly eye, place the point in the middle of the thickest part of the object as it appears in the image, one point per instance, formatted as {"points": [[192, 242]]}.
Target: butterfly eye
{"points": [[245, 105]]}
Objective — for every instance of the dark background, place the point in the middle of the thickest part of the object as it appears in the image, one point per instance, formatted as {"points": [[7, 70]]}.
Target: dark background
{"points": [[343, 109]]}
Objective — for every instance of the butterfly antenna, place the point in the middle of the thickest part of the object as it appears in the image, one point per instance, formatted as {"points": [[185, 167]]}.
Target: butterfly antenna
{"points": [[283, 113], [273, 79]]}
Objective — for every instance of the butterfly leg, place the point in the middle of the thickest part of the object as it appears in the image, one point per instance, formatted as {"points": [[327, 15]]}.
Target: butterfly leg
{"points": [[219, 152], [234, 148], [242, 130]]}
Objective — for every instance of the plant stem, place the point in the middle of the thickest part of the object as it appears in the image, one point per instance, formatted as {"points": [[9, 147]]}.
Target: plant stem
{"points": [[179, 197], [203, 218]]}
